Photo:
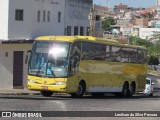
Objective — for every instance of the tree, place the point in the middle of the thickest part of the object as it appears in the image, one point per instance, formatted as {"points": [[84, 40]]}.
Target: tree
{"points": [[156, 37], [152, 60], [154, 51], [139, 42], [107, 22]]}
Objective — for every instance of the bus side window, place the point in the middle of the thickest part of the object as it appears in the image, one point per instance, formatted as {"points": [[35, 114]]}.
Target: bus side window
{"points": [[87, 51], [145, 56], [115, 53], [99, 51], [133, 55], [107, 53], [140, 56], [75, 57], [125, 54]]}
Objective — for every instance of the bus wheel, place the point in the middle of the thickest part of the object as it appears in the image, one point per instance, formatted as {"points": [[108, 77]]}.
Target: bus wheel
{"points": [[125, 91], [131, 90], [47, 93], [81, 90]]}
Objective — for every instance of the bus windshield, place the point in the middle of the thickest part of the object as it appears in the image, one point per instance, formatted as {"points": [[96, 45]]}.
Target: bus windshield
{"points": [[49, 59]]}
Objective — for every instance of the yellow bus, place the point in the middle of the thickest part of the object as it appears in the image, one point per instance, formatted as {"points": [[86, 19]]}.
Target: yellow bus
{"points": [[85, 64]]}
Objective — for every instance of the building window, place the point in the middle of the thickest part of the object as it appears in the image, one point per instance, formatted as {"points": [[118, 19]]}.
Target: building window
{"points": [[59, 17], [44, 16], [19, 15], [88, 29], [48, 16], [75, 30], [38, 16], [69, 29], [81, 30]]}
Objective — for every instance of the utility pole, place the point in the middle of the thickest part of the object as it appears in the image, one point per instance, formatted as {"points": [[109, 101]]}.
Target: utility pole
{"points": [[92, 22], [108, 6]]}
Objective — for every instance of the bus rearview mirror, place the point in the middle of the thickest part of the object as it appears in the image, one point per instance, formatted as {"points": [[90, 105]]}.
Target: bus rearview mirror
{"points": [[27, 56]]}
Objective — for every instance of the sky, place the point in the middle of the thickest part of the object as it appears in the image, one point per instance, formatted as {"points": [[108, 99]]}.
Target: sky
{"points": [[130, 3]]}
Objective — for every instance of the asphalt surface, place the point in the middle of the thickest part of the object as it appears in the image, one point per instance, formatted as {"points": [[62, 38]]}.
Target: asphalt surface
{"points": [[15, 101], [138, 102]]}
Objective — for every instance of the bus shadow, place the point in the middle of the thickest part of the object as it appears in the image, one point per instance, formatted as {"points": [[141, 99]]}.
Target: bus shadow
{"points": [[113, 97], [33, 97], [68, 97]]}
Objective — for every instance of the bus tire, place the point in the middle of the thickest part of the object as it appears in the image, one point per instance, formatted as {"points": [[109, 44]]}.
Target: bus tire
{"points": [[131, 90], [81, 90], [46, 93], [125, 91]]}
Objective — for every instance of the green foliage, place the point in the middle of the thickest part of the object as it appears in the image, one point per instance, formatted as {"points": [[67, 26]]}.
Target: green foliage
{"points": [[148, 15], [152, 60], [107, 22], [154, 51], [139, 42], [156, 37]]}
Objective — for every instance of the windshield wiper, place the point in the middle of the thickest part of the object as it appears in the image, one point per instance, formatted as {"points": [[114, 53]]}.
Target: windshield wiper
{"points": [[39, 69]]}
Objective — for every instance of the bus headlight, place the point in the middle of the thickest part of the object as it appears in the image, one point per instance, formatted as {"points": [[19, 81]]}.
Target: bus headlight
{"points": [[60, 83], [32, 81]]}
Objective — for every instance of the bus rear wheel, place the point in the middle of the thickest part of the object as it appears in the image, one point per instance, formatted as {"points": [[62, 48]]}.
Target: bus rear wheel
{"points": [[46, 93], [125, 91], [131, 90], [81, 90]]}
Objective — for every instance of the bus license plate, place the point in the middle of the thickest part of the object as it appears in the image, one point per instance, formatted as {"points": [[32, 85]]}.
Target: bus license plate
{"points": [[44, 87]]}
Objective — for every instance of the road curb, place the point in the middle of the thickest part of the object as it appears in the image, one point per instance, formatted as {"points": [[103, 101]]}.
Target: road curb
{"points": [[19, 93], [56, 94]]}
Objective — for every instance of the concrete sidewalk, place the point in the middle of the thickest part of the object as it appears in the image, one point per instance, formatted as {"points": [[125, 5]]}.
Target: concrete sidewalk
{"points": [[24, 91]]}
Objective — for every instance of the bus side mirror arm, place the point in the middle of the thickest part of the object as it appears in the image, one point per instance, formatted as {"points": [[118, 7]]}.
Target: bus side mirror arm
{"points": [[26, 59]]}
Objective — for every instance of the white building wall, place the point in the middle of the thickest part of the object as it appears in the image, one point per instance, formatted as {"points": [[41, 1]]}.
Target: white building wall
{"points": [[6, 63], [77, 14], [4, 19], [30, 28], [146, 33], [72, 14]]}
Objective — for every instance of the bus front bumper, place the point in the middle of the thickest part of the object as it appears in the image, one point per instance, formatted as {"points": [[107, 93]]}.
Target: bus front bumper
{"points": [[42, 87]]}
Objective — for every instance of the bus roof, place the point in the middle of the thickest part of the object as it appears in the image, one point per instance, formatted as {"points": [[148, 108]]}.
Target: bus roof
{"points": [[74, 38], [84, 38]]}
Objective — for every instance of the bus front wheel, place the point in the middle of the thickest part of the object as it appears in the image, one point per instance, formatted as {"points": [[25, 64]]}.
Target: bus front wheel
{"points": [[46, 93], [81, 90]]}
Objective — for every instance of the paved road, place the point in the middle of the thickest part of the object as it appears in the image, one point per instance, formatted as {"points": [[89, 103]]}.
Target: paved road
{"points": [[138, 102], [66, 103]]}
